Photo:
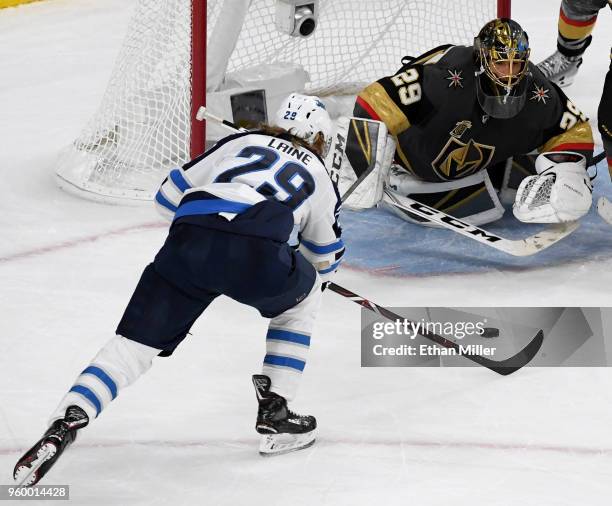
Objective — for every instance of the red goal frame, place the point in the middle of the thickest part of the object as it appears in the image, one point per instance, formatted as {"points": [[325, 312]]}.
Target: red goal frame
{"points": [[198, 69]]}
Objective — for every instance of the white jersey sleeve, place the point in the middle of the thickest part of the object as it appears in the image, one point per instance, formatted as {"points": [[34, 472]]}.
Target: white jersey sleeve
{"points": [[196, 173], [319, 236], [247, 167]]}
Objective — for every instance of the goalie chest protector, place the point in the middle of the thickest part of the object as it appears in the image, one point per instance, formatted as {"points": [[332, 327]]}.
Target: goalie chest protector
{"points": [[441, 132]]}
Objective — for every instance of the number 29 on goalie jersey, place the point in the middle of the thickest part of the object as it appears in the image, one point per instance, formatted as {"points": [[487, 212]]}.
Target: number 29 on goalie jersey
{"points": [[245, 168]]}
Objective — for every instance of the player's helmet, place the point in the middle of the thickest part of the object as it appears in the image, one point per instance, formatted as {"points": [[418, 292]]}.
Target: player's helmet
{"points": [[501, 53], [305, 116]]}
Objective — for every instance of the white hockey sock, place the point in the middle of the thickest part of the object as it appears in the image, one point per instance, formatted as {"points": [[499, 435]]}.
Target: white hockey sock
{"points": [[288, 342], [117, 365]]}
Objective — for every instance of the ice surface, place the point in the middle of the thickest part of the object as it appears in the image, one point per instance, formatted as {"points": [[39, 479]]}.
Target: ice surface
{"points": [[184, 433]]}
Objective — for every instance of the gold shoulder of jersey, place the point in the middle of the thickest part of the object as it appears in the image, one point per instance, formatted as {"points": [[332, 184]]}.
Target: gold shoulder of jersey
{"points": [[388, 111], [580, 133]]}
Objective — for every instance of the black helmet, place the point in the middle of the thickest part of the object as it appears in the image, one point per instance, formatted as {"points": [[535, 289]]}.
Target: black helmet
{"points": [[501, 53]]}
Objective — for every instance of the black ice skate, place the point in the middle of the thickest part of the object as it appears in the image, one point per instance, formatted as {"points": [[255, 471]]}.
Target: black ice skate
{"points": [[283, 431], [35, 463]]}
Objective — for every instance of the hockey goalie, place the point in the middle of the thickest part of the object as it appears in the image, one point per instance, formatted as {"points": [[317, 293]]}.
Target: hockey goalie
{"points": [[442, 129]]}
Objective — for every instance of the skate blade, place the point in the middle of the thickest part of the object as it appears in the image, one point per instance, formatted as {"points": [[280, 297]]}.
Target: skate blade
{"points": [[25, 475], [279, 444]]}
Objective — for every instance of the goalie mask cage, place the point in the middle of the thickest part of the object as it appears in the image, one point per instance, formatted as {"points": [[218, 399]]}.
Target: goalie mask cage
{"points": [[145, 124]]}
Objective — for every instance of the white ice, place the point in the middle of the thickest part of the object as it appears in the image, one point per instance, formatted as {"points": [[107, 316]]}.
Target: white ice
{"points": [[184, 433]]}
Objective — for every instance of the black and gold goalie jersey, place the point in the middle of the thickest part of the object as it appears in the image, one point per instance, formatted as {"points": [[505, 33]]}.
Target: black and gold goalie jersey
{"points": [[431, 108]]}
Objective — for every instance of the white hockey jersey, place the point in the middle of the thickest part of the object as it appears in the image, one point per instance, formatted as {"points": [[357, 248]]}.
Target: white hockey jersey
{"points": [[245, 168]]}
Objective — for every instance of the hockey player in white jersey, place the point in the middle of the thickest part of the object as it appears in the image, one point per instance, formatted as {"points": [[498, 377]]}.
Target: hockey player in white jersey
{"points": [[232, 211]]}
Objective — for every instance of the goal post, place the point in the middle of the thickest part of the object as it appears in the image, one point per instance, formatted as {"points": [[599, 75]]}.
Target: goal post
{"points": [[198, 76], [230, 55], [503, 9]]}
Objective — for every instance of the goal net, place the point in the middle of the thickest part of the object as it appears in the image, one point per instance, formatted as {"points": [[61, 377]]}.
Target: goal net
{"points": [[145, 123]]}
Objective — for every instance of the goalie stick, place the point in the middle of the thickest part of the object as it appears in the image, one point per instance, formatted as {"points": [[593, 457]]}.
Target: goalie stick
{"points": [[503, 367], [519, 247]]}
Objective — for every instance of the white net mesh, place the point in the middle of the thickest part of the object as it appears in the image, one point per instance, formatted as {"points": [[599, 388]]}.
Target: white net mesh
{"points": [[142, 126], [357, 41]]}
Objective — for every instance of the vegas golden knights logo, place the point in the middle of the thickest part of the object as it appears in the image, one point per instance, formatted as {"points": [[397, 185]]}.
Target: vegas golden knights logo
{"points": [[460, 159]]}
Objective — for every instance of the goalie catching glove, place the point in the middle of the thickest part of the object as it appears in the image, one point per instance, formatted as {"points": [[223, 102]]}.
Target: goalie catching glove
{"points": [[561, 192]]}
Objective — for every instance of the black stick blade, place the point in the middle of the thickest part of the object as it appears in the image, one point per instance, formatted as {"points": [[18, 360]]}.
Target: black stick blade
{"points": [[516, 362]]}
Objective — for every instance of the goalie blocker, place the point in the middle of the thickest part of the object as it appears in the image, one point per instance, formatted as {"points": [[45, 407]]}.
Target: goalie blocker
{"points": [[359, 159]]}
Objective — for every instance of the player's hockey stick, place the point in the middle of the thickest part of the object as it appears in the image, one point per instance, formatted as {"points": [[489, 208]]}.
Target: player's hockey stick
{"points": [[519, 247], [204, 113], [503, 367]]}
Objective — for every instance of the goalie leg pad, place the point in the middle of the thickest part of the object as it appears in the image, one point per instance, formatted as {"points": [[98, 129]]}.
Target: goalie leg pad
{"points": [[472, 199], [359, 160]]}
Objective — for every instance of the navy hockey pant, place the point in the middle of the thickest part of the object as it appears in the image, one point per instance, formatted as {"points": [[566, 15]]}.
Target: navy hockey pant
{"points": [[196, 265]]}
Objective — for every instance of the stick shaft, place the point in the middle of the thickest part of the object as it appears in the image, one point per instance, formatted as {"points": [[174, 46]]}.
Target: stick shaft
{"points": [[503, 367]]}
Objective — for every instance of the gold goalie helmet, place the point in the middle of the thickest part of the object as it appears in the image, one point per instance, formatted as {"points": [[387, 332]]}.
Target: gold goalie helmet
{"points": [[501, 52]]}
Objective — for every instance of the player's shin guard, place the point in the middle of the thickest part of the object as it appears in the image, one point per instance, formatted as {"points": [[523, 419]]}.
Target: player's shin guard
{"points": [[288, 342], [117, 365]]}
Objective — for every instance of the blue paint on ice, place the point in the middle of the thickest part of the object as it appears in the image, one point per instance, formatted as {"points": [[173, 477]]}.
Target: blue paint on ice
{"points": [[380, 242]]}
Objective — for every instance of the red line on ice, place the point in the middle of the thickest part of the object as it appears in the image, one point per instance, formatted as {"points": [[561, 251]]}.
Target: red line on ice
{"points": [[72, 243], [577, 450]]}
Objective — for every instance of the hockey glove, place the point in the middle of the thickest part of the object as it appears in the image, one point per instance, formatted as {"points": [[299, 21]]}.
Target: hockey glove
{"points": [[561, 192]]}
